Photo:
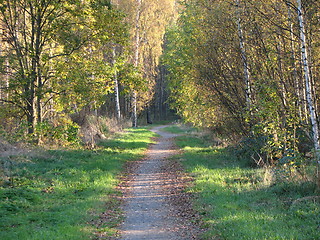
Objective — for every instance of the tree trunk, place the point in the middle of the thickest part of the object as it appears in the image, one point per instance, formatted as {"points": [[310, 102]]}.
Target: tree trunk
{"points": [[246, 72], [297, 85], [31, 110], [136, 63], [149, 120], [306, 71], [134, 109], [116, 86]]}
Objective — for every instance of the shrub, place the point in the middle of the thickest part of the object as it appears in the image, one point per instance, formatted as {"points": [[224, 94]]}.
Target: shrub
{"points": [[250, 150], [62, 133]]}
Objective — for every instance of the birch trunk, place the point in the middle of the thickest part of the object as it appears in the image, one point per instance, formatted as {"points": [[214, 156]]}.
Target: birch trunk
{"points": [[2, 87], [136, 62], [246, 72], [297, 85], [116, 86], [306, 70], [4, 84]]}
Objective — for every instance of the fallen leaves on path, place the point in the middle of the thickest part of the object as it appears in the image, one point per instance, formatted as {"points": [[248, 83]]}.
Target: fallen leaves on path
{"points": [[171, 183], [187, 219]]}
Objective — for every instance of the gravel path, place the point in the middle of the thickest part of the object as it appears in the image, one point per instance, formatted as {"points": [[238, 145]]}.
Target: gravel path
{"points": [[152, 188]]}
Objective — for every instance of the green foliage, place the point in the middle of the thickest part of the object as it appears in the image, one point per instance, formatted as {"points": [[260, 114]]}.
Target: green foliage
{"points": [[206, 78], [251, 150], [60, 194], [60, 133], [17, 133], [132, 79], [66, 133], [237, 202], [57, 59], [195, 82]]}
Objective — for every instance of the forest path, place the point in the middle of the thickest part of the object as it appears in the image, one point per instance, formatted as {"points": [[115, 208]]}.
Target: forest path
{"points": [[155, 205]]}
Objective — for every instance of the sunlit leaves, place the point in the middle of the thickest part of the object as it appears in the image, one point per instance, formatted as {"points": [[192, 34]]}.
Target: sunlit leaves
{"points": [[57, 53], [206, 76]]}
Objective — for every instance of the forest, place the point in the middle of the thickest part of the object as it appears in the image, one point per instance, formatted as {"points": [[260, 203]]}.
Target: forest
{"points": [[75, 72], [63, 60], [248, 70]]}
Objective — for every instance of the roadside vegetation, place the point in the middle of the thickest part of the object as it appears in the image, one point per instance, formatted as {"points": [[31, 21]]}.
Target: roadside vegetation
{"points": [[238, 201], [64, 194]]}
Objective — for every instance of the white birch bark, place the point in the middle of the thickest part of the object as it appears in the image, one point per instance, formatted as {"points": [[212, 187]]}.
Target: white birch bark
{"points": [[136, 62], [1, 75], [116, 85], [307, 77], [246, 72], [297, 85]]}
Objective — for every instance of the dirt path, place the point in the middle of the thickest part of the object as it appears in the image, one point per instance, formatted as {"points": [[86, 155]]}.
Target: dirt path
{"points": [[155, 205]]}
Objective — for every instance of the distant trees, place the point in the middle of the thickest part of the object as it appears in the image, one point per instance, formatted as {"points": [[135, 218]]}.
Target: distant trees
{"points": [[148, 20]]}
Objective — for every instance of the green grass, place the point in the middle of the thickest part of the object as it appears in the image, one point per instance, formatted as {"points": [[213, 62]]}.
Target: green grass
{"points": [[237, 202], [61, 194], [178, 129]]}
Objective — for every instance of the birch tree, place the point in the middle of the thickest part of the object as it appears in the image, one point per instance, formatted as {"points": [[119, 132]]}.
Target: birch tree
{"points": [[116, 85], [136, 60], [246, 72], [148, 20], [308, 86]]}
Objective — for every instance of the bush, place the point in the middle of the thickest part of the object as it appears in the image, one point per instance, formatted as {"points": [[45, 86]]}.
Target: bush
{"points": [[64, 133], [250, 151], [96, 128]]}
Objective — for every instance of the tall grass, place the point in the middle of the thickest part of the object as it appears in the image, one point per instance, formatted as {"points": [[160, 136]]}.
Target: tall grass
{"points": [[237, 202], [61, 194]]}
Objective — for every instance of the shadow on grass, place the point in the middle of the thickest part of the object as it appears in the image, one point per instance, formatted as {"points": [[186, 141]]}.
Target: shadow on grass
{"points": [[236, 203], [56, 195]]}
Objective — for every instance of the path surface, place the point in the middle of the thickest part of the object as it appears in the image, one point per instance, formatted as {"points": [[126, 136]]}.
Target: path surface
{"points": [[148, 208]]}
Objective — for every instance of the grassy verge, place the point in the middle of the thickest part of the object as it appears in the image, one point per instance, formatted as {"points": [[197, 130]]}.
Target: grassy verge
{"points": [[178, 129], [60, 194], [237, 202]]}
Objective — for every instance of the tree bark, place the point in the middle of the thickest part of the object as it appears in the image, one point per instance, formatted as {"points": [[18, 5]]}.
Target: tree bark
{"points": [[136, 63], [308, 85], [116, 86], [246, 72], [297, 85]]}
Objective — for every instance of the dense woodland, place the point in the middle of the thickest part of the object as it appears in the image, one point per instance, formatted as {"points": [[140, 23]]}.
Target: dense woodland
{"points": [[64, 61], [247, 70]]}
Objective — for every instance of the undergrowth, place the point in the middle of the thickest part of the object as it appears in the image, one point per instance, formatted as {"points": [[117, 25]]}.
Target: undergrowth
{"points": [[63, 194], [239, 202]]}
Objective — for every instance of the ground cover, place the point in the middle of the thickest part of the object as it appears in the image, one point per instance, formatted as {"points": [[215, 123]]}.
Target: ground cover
{"points": [[63, 194], [240, 202]]}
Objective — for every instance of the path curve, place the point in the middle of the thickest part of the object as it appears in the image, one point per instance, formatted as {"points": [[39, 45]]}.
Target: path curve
{"points": [[148, 211]]}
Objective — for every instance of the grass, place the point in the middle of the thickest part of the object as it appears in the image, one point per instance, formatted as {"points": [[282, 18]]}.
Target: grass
{"points": [[62, 194], [238, 202], [178, 129]]}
